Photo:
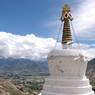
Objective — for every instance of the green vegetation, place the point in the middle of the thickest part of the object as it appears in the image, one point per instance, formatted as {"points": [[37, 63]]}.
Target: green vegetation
{"points": [[92, 82], [36, 85], [32, 85]]}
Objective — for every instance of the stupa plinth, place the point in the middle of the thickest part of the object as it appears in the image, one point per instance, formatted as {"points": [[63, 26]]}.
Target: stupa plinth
{"points": [[66, 66]]}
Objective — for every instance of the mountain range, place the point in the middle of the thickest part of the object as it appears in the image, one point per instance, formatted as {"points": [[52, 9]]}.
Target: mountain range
{"points": [[23, 66], [91, 70], [26, 66]]}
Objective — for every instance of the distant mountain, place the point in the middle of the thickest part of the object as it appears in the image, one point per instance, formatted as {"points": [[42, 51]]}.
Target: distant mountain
{"points": [[23, 66], [91, 69]]}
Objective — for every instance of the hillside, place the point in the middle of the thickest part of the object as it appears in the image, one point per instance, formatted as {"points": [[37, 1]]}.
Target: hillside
{"points": [[7, 88], [29, 67], [91, 70]]}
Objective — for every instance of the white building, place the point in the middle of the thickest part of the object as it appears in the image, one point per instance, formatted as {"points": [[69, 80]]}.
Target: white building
{"points": [[67, 66]]}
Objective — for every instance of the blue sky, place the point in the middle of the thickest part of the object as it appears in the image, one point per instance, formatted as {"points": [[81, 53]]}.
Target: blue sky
{"points": [[25, 16], [31, 16]]}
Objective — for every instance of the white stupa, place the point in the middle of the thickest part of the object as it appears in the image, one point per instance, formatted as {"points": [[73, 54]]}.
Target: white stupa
{"points": [[67, 66]]}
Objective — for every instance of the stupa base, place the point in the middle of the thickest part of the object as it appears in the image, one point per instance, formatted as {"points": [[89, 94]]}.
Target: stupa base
{"points": [[67, 86], [48, 93]]}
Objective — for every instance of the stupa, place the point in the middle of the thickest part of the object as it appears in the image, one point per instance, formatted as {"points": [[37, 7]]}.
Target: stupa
{"points": [[67, 66]]}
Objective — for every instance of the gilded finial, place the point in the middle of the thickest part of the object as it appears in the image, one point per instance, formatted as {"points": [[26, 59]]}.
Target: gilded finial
{"points": [[66, 18]]}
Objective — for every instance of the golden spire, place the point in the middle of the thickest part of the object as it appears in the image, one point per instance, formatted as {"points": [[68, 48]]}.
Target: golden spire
{"points": [[66, 18]]}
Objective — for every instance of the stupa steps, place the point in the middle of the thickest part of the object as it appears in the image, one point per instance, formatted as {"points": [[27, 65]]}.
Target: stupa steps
{"points": [[68, 90], [50, 93], [67, 82]]}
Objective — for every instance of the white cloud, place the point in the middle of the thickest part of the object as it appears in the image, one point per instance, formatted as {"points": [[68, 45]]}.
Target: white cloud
{"points": [[28, 46], [31, 47], [85, 15], [84, 19]]}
